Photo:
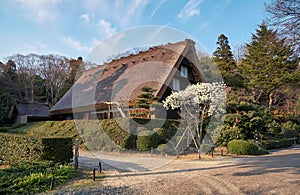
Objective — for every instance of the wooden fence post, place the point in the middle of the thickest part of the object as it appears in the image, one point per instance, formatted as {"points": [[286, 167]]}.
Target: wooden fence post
{"points": [[100, 167], [76, 155], [52, 183], [94, 174]]}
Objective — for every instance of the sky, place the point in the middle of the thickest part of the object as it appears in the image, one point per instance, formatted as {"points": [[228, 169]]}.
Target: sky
{"points": [[74, 27]]}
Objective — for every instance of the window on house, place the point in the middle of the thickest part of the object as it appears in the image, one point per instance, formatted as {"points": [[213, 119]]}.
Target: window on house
{"points": [[176, 85], [184, 71]]}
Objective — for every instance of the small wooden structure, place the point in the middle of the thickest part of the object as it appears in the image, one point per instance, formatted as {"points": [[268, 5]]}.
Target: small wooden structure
{"points": [[28, 112]]}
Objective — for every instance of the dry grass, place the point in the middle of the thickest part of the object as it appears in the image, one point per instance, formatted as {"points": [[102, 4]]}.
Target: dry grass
{"points": [[217, 154], [83, 181]]}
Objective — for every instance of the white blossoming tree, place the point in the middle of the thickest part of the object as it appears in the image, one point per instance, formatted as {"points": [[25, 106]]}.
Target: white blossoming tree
{"points": [[196, 102]]}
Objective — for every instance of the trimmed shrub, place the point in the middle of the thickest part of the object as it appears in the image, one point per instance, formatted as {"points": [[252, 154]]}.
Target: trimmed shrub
{"points": [[276, 144], [289, 133], [242, 147], [206, 148], [20, 148], [146, 140], [166, 149], [164, 134], [57, 149], [261, 151]]}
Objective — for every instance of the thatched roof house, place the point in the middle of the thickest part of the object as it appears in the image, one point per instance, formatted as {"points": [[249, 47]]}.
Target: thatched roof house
{"points": [[27, 112], [163, 68]]}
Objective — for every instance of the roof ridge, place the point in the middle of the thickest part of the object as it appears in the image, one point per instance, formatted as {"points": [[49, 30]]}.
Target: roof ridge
{"points": [[163, 46]]}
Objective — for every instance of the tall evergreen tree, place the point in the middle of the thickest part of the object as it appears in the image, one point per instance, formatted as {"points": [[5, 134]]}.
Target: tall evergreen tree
{"points": [[268, 65], [223, 57]]}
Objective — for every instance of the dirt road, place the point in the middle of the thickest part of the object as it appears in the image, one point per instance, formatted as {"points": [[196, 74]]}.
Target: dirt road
{"points": [[276, 173]]}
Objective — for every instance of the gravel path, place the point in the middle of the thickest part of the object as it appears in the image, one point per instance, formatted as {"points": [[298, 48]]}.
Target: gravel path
{"points": [[276, 173], [124, 162]]}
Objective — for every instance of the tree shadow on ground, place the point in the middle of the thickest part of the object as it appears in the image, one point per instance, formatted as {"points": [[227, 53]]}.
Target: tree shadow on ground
{"points": [[271, 164]]}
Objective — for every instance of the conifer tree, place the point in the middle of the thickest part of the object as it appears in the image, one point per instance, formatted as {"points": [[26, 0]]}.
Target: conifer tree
{"points": [[223, 57], [268, 65], [145, 99]]}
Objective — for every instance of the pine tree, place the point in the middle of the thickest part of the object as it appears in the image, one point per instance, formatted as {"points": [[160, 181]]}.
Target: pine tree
{"points": [[223, 57], [268, 65], [145, 99]]}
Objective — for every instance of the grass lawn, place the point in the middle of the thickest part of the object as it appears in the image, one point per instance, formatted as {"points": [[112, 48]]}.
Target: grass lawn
{"points": [[26, 128], [84, 180]]}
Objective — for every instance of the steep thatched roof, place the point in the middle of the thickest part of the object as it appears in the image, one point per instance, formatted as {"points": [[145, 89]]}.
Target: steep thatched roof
{"points": [[121, 80]]}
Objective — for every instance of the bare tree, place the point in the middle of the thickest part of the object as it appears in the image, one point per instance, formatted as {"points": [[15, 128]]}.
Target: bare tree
{"points": [[27, 72], [240, 51], [285, 16], [55, 70]]}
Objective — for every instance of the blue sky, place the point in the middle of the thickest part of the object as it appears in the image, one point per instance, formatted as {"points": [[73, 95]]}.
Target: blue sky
{"points": [[73, 27]]}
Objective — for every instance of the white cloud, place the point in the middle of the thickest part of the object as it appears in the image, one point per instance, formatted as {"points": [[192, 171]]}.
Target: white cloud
{"points": [[157, 7], [41, 11], [75, 44], [190, 9], [121, 13], [194, 12], [85, 17], [106, 27]]}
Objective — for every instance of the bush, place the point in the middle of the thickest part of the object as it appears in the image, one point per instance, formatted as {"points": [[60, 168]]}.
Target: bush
{"points": [[31, 178], [166, 149], [146, 140], [276, 144], [164, 134], [289, 133], [229, 133], [206, 148], [242, 147], [19, 148], [57, 149]]}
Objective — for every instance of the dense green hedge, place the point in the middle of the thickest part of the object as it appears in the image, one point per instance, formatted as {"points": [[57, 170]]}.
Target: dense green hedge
{"points": [[57, 149], [242, 147], [147, 140], [276, 144], [20, 148]]}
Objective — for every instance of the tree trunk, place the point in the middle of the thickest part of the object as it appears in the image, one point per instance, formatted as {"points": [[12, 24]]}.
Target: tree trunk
{"points": [[270, 101], [201, 130]]}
